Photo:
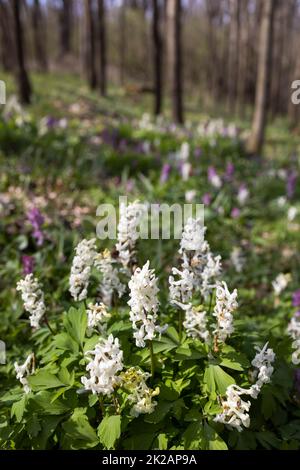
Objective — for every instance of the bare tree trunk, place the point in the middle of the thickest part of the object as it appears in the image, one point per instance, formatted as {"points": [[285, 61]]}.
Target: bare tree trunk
{"points": [[173, 12], [157, 57], [23, 82], [234, 40], [102, 46], [122, 44], [65, 20], [39, 37], [243, 59], [256, 139], [6, 43], [90, 45]]}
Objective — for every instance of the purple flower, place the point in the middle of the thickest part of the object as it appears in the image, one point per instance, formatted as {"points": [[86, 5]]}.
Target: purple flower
{"points": [[235, 213], [291, 183], [229, 171], [36, 219], [213, 177], [206, 199], [296, 298], [165, 172], [50, 122], [28, 264], [197, 152]]}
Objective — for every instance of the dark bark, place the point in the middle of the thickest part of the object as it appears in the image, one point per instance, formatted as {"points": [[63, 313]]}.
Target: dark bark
{"points": [[39, 37], [23, 82], [90, 45], [157, 57], [6, 43], [256, 138], [175, 57], [102, 47], [65, 20]]}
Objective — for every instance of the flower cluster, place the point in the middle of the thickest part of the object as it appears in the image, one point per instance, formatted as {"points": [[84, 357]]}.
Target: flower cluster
{"points": [[144, 305], [237, 259], [97, 316], [81, 268], [195, 323], [36, 219], [134, 380], [197, 257], [129, 221], [24, 370], [294, 331], [280, 283], [110, 277], [235, 411], [33, 298], [104, 367], [226, 304]]}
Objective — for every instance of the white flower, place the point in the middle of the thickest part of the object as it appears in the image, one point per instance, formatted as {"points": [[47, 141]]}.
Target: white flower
{"points": [[141, 395], [130, 217], [190, 195], [226, 304], [237, 259], [185, 171], [292, 212], [104, 367], [280, 283], [184, 152], [144, 305], [110, 277], [24, 370], [210, 273], [281, 201], [33, 298], [243, 194], [263, 363], [294, 331], [97, 316], [235, 413], [195, 323], [81, 268], [181, 290], [193, 236]]}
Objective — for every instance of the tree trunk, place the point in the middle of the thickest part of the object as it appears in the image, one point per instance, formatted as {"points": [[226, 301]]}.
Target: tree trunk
{"points": [[90, 45], [65, 27], [157, 57], [256, 139], [6, 43], [102, 46], [234, 40], [173, 12], [122, 44], [21, 72], [39, 36]]}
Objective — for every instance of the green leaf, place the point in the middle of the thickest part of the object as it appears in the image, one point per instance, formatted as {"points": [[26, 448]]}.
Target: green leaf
{"points": [[213, 439], [161, 410], [43, 380], [33, 426], [217, 379], [162, 441], [75, 323], [43, 401], [79, 430], [18, 408], [193, 437], [109, 431]]}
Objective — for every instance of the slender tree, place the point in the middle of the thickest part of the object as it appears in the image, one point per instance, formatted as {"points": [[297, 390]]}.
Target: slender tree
{"points": [[173, 13], [6, 43], [65, 21], [90, 45], [233, 57], [102, 46], [256, 138], [122, 41], [157, 57], [23, 82], [39, 36]]}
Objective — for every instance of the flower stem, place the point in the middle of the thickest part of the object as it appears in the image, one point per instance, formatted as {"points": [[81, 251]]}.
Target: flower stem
{"points": [[152, 358], [48, 325], [180, 320]]}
